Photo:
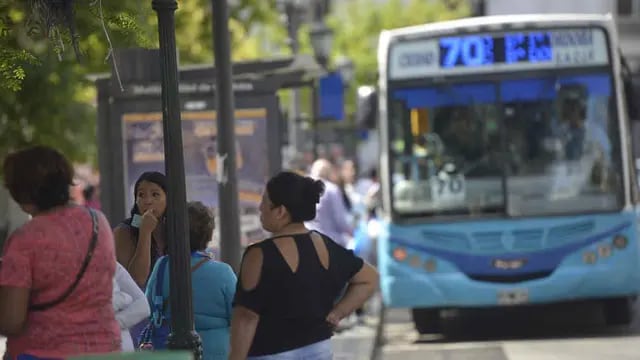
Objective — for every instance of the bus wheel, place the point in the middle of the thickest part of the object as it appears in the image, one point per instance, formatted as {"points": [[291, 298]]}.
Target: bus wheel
{"points": [[618, 311], [427, 321]]}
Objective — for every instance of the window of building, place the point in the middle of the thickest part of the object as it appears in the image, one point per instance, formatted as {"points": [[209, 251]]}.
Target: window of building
{"points": [[629, 7]]}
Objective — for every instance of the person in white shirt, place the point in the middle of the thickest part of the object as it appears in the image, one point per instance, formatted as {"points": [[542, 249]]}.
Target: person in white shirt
{"points": [[332, 217], [129, 303]]}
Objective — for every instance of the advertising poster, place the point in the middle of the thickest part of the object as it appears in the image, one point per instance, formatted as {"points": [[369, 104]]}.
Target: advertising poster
{"points": [[144, 151]]}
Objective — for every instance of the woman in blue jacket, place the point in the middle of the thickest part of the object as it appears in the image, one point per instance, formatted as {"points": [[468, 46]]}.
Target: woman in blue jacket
{"points": [[213, 286]]}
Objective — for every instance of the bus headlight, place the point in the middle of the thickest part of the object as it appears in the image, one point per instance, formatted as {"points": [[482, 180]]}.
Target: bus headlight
{"points": [[620, 241], [415, 261], [604, 250], [589, 257], [400, 254]]}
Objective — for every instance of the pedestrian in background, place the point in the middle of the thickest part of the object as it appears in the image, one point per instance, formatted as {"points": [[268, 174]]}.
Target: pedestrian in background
{"points": [[332, 216]]}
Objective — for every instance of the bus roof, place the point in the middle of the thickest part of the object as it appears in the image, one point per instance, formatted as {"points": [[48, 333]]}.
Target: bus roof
{"points": [[498, 22]]}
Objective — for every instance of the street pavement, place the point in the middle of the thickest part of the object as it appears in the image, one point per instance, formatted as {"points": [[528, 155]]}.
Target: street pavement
{"points": [[573, 332], [547, 333]]}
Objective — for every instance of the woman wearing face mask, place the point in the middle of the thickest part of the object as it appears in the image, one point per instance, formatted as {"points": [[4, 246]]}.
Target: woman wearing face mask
{"points": [[140, 239]]}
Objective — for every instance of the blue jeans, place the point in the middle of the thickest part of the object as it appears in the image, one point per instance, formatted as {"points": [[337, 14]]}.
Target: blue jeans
{"points": [[319, 351]]}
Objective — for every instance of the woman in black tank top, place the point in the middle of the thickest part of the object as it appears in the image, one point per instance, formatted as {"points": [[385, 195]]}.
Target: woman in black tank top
{"points": [[285, 303]]}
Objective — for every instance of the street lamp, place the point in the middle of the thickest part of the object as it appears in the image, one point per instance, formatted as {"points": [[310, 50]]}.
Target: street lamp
{"points": [[321, 41], [183, 335], [293, 11]]}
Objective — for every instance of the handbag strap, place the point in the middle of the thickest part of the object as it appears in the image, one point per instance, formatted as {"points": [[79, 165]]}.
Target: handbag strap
{"points": [[200, 263], [157, 315], [83, 268], [159, 302]]}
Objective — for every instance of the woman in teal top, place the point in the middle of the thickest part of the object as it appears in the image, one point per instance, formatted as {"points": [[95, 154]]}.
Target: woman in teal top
{"points": [[213, 284]]}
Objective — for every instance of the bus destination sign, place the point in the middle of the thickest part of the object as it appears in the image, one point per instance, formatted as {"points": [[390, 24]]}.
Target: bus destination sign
{"points": [[512, 51]]}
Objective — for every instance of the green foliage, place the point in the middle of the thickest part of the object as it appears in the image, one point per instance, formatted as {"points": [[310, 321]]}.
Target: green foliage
{"points": [[357, 25], [12, 63], [195, 29], [47, 110], [356, 28], [44, 95]]}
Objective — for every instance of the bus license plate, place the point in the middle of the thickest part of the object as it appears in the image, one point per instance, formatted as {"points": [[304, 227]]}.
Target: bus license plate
{"points": [[513, 297]]}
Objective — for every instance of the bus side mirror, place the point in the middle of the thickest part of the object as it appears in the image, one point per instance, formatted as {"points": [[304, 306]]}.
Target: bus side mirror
{"points": [[367, 108]]}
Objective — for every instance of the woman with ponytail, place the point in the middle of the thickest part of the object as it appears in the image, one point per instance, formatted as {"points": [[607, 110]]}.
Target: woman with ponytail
{"points": [[285, 303]]}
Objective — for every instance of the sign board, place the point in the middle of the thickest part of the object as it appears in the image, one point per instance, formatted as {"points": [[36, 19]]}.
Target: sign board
{"points": [[144, 151], [509, 51], [331, 93]]}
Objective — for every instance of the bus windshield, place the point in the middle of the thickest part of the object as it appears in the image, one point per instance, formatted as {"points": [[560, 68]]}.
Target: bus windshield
{"points": [[528, 146]]}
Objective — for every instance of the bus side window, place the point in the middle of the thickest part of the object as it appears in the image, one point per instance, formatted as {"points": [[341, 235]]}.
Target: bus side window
{"points": [[631, 97]]}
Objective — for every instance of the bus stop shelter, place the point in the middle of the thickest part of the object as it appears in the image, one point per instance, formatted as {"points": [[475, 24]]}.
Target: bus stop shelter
{"points": [[130, 135]]}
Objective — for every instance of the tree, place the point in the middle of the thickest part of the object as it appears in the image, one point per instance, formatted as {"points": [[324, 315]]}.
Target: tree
{"points": [[45, 97], [358, 23]]}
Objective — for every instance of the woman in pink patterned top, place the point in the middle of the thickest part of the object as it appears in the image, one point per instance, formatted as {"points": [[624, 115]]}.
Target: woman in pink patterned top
{"points": [[43, 259]]}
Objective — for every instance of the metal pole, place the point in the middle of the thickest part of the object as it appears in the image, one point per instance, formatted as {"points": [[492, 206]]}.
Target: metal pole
{"points": [[320, 10], [183, 335], [293, 24], [315, 103], [227, 182]]}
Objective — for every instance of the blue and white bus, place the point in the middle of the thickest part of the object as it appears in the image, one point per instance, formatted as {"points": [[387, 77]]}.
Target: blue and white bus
{"points": [[506, 166]]}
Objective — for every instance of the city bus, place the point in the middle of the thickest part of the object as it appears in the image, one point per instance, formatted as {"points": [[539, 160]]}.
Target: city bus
{"points": [[506, 166]]}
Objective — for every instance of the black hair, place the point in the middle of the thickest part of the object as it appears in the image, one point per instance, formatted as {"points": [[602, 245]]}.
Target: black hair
{"points": [[576, 105], [155, 177], [39, 175], [88, 192], [298, 194], [201, 225]]}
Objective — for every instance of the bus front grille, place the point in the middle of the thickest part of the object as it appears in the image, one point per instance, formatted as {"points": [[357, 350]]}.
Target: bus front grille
{"points": [[510, 279]]}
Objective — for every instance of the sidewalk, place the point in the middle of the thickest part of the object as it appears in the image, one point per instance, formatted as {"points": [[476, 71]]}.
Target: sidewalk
{"points": [[353, 337]]}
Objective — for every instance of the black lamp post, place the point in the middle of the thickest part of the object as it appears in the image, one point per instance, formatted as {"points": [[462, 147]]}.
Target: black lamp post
{"points": [[293, 11], [183, 335], [227, 180], [322, 42]]}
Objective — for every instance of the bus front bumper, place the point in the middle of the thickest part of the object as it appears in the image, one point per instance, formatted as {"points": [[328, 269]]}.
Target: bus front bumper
{"points": [[409, 289]]}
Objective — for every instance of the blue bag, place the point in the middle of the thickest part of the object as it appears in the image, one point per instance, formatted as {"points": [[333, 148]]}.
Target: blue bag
{"points": [[155, 334]]}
